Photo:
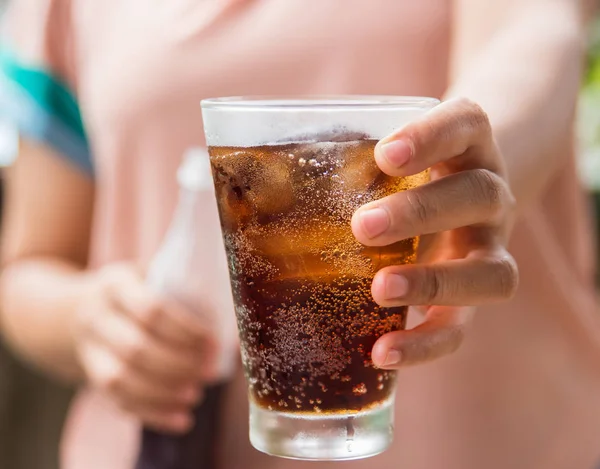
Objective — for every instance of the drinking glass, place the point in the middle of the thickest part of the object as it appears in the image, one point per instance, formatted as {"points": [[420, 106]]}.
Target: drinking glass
{"points": [[289, 173]]}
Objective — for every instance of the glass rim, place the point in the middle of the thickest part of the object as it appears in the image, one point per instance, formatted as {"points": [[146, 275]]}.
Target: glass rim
{"points": [[319, 102]]}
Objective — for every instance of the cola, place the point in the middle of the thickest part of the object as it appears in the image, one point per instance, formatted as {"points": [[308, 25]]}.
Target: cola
{"points": [[300, 280]]}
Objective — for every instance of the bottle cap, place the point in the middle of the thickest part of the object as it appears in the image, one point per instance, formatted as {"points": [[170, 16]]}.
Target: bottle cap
{"points": [[194, 173]]}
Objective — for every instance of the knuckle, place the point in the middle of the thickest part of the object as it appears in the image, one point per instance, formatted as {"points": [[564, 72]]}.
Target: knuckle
{"points": [[419, 209], [112, 380], [507, 274], [427, 351], [475, 117], [422, 134], [133, 351], [489, 187], [451, 339], [435, 344], [432, 287], [150, 314]]}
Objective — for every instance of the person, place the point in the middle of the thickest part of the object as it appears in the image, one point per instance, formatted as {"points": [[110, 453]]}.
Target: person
{"points": [[122, 81]]}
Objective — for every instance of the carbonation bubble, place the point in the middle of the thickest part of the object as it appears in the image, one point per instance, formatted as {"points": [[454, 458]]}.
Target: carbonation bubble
{"points": [[300, 280]]}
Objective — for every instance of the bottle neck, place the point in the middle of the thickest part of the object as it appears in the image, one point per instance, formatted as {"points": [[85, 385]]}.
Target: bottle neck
{"points": [[190, 207]]}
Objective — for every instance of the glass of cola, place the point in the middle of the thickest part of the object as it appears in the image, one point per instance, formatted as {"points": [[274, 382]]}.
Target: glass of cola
{"points": [[289, 173]]}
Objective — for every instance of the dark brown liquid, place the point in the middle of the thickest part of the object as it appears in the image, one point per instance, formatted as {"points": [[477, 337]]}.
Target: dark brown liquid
{"points": [[301, 282]]}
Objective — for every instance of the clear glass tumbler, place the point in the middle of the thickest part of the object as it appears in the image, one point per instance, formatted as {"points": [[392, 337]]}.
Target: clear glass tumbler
{"points": [[289, 173]]}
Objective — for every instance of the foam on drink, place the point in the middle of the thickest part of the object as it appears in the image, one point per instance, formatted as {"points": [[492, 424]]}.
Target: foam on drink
{"points": [[239, 124]]}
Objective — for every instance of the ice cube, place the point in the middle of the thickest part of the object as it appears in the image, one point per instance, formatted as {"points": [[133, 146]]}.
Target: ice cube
{"points": [[269, 187], [358, 174], [234, 208], [253, 183], [315, 159]]}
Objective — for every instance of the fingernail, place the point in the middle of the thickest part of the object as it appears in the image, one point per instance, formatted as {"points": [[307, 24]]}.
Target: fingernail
{"points": [[397, 153], [393, 357], [374, 221], [396, 286]]}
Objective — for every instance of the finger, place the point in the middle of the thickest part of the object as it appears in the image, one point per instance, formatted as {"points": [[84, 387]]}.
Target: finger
{"points": [[441, 334], [161, 317], [143, 351], [152, 401], [481, 277], [455, 128], [473, 197]]}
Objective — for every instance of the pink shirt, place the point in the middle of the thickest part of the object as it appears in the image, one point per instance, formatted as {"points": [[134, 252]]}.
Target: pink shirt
{"points": [[524, 390]]}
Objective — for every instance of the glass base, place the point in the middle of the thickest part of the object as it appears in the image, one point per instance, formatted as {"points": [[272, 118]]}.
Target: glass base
{"points": [[322, 437]]}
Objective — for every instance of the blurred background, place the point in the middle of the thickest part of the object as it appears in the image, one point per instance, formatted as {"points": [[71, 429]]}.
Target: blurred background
{"points": [[589, 122], [33, 408]]}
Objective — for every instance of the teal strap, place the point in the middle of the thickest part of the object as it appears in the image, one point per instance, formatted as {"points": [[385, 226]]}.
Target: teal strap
{"points": [[43, 108]]}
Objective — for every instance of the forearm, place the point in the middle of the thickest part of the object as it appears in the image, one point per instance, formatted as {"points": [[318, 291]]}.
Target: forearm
{"points": [[39, 298], [526, 77]]}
